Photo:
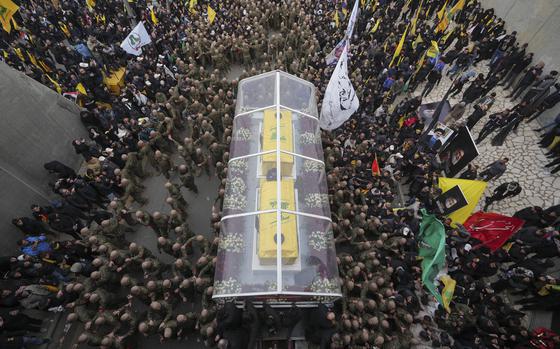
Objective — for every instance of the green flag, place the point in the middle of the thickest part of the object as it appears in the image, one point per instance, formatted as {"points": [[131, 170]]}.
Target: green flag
{"points": [[432, 250]]}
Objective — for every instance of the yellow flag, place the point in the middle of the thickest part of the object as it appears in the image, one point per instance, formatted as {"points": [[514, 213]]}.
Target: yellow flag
{"points": [[192, 4], [376, 26], [433, 51], [374, 7], [401, 121], [32, 59], [101, 18], [16, 26], [153, 16], [417, 41], [472, 190], [443, 24], [448, 291], [80, 88], [458, 7], [90, 4], [385, 46], [336, 21], [7, 11], [415, 19], [44, 67], [211, 14], [441, 12], [420, 63], [64, 29], [56, 84], [19, 53], [399, 46]]}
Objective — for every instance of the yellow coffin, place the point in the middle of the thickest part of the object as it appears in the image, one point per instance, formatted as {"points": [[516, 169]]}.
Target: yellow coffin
{"points": [[267, 223], [115, 80], [269, 141]]}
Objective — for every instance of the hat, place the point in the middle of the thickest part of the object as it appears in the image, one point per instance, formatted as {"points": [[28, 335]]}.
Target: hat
{"points": [[399, 155], [392, 147], [76, 267], [161, 56], [148, 83], [83, 65], [139, 59], [468, 247], [156, 76], [102, 158]]}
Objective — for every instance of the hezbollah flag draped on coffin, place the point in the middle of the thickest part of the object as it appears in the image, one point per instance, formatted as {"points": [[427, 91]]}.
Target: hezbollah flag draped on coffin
{"points": [[137, 38], [431, 247]]}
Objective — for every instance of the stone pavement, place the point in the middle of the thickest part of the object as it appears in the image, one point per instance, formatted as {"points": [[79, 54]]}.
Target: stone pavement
{"points": [[527, 159]]}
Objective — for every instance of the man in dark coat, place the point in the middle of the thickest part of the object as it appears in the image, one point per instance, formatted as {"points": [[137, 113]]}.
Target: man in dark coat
{"points": [[494, 170], [30, 226], [505, 190]]}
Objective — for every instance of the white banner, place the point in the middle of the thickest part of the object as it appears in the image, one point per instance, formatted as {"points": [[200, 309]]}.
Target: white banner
{"points": [[137, 38], [340, 100], [334, 55]]}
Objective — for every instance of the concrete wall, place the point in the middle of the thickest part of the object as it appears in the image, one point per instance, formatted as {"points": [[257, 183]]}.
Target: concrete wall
{"points": [[37, 125], [536, 23]]}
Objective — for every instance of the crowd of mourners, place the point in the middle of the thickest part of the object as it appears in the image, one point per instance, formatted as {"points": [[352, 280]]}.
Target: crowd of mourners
{"points": [[173, 117]]}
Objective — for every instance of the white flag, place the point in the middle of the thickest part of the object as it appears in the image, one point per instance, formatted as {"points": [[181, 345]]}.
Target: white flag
{"points": [[137, 38], [340, 100], [334, 55]]}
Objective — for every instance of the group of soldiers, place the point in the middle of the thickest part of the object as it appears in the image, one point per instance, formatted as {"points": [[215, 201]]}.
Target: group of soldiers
{"points": [[174, 118]]}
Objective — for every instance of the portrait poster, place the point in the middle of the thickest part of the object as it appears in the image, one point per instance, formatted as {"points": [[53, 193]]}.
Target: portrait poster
{"points": [[426, 112], [451, 201], [459, 151]]}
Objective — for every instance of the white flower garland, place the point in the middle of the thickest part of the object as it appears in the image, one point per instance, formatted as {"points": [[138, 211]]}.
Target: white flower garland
{"points": [[242, 134], [235, 203], [231, 242], [313, 166], [235, 197], [238, 166], [325, 285], [229, 286], [309, 138], [320, 240], [316, 200]]}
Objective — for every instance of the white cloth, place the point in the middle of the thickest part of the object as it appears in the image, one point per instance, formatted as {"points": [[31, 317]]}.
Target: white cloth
{"points": [[137, 38], [340, 100]]}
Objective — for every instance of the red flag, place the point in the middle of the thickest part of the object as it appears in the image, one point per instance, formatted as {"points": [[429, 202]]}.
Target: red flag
{"points": [[375, 171], [492, 229]]}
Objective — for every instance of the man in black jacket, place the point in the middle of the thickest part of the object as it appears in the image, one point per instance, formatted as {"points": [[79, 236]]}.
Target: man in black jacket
{"points": [[30, 226], [505, 190]]}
